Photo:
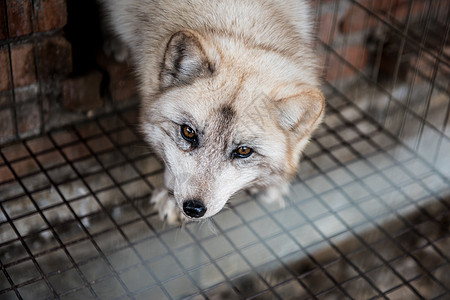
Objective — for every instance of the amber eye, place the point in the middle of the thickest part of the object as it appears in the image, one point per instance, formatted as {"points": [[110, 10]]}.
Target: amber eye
{"points": [[189, 134], [242, 152]]}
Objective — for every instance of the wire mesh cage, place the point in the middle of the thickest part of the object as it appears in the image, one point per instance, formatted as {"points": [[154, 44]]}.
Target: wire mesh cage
{"points": [[367, 217]]}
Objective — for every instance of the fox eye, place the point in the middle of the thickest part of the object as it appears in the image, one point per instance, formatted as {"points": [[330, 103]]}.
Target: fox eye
{"points": [[242, 152], [189, 134]]}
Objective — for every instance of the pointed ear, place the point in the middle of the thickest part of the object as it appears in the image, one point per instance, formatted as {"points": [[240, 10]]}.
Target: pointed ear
{"points": [[185, 60], [303, 112]]}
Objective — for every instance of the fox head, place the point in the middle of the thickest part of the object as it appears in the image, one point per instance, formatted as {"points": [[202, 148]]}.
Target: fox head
{"points": [[227, 116]]}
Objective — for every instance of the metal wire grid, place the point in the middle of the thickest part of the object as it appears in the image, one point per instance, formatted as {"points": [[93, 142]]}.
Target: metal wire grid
{"points": [[423, 45], [368, 216], [11, 99], [35, 92], [120, 249]]}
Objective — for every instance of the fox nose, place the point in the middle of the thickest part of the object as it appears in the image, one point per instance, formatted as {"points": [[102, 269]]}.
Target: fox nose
{"points": [[194, 208]]}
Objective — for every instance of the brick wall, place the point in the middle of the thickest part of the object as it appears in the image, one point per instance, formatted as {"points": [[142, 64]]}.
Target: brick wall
{"points": [[53, 71], [45, 82], [352, 33]]}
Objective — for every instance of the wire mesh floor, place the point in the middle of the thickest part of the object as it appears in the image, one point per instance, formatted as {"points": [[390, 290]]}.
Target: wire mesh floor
{"points": [[366, 218]]}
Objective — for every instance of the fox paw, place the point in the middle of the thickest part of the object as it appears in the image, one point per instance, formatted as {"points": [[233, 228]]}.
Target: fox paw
{"points": [[274, 194], [167, 207]]}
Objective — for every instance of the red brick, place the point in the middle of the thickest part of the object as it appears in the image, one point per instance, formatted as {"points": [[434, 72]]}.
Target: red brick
{"points": [[82, 93], [357, 19], [64, 137], [23, 64], [39, 144], [416, 10], [338, 69], [5, 99], [49, 159], [28, 118], [443, 8], [447, 50], [19, 17], [27, 93], [51, 14], [122, 83], [55, 58], [326, 23], [25, 167], [5, 174], [5, 81], [2, 21], [15, 152], [316, 4], [76, 151], [6, 125]]}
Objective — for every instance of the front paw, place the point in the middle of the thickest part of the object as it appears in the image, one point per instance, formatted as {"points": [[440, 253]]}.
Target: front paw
{"points": [[166, 206], [274, 194]]}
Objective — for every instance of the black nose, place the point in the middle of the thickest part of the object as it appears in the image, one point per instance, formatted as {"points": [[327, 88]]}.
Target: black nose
{"points": [[194, 208]]}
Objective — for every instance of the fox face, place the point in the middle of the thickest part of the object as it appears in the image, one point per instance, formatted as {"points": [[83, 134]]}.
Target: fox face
{"points": [[221, 125]]}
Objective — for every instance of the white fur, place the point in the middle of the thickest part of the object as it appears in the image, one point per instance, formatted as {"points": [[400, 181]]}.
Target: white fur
{"points": [[253, 56]]}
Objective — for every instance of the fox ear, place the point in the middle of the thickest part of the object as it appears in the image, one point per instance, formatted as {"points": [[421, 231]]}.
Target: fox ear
{"points": [[185, 60], [302, 112]]}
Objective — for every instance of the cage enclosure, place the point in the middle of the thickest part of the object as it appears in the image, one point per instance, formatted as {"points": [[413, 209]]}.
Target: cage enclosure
{"points": [[367, 216]]}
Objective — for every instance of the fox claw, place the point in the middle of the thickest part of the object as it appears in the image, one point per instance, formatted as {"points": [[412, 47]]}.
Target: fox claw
{"points": [[166, 206], [274, 194]]}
